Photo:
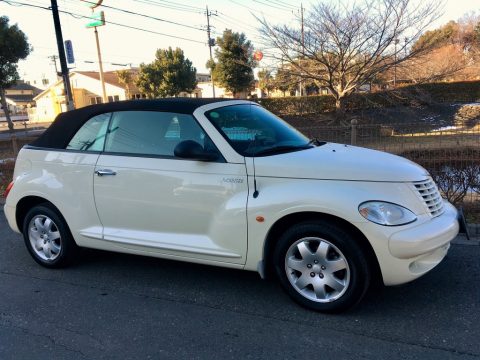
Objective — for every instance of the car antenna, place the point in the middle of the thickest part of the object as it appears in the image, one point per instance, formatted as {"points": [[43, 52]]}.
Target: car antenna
{"points": [[255, 190]]}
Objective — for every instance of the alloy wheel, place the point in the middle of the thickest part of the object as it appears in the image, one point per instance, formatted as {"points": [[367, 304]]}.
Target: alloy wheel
{"points": [[45, 238], [317, 269]]}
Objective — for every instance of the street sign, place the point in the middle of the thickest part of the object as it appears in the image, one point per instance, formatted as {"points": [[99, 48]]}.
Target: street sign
{"points": [[93, 3], [257, 55], [69, 52], [96, 19]]}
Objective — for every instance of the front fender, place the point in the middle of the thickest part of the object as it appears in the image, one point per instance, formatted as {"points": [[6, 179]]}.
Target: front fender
{"points": [[280, 197]]}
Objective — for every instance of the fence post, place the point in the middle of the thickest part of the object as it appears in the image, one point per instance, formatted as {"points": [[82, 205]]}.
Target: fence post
{"points": [[353, 139], [14, 145]]}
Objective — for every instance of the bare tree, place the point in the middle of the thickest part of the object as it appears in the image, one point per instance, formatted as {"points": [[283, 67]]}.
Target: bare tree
{"points": [[345, 45]]}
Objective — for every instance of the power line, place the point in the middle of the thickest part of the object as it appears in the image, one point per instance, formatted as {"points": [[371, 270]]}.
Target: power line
{"points": [[141, 29], [151, 17], [177, 4], [238, 22], [245, 6], [81, 59], [48, 50], [172, 6], [271, 5], [255, 11], [79, 16], [284, 4]]}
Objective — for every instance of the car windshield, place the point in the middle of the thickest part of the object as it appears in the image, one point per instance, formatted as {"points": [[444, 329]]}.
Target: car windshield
{"points": [[254, 131]]}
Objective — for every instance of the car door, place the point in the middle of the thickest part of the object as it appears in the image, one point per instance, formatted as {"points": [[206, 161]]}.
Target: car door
{"points": [[152, 202], [69, 181]]}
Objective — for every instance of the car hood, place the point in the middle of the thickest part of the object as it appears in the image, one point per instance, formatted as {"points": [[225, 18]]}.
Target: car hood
{"points": [[340, 162]]}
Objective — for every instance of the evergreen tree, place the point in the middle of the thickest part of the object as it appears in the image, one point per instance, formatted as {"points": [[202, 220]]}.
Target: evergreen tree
{"points": [[14, 46], [168, 75], [234, 67]]}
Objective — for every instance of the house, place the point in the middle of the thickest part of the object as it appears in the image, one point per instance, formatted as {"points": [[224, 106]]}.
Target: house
{"points": [[203, 77], [205, 90], [86, 90], [20, 97]]}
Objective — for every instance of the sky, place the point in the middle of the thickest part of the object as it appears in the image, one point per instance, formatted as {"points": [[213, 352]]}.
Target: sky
{"points": [[130, 47]]}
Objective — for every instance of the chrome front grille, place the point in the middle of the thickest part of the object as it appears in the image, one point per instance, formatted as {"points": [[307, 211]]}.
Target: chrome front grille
{"points": [[430, 195]]}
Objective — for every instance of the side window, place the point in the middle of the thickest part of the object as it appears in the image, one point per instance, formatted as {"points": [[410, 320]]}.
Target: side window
{"points": [[91, 136], [152, 132]]}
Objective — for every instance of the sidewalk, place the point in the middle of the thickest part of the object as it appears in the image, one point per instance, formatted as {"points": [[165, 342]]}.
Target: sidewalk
{"points": [[32, 129]]}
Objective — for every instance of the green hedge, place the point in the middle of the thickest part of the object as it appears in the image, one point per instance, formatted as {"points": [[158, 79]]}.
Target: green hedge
{"points": [[413, 95], [293, 105]]}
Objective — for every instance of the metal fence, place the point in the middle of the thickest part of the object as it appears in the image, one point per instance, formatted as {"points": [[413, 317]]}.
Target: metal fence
{"points": [[450, 154]]}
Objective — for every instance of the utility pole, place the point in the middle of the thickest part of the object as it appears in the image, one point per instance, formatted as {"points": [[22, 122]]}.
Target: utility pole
{"points": [[395, 65], [54, 63], [100, 65], [96, 20], [303, 31], [211, 43], [61, 54], [303, 47]]}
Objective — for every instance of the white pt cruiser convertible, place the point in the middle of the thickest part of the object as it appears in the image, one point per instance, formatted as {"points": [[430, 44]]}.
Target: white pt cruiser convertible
{"points": [[227, 183]]}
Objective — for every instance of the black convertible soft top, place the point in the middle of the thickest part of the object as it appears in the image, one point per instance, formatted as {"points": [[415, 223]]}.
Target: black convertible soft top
{"points": [[61, 131]]}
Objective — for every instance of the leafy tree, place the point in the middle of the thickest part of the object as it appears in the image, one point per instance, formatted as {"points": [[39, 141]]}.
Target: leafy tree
{"points": [[454, 56], [125, 78], [14, 46], [345, 45], [168, 75], [285, 82], [234, 67], [445, 63], [438, 37], [266, 81]]}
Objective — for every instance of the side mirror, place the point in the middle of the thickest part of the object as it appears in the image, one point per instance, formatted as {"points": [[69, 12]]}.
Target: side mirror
{"points": [[190, 149]]}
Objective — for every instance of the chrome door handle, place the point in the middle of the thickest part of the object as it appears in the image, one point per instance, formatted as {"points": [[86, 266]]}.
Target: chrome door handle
{"points": [[105, 172]]}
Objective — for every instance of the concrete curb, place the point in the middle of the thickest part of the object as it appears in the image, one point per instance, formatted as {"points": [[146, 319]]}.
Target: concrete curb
{"points": [[474, 230], [462, 240]]}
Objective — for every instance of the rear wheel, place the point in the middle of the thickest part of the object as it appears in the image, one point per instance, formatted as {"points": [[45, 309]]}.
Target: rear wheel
{"points": [[48, 238], [322, 266]]}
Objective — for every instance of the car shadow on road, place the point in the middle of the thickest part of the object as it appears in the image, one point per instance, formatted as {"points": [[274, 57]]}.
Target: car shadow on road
{"points": [[423, 312], [236, 289]]}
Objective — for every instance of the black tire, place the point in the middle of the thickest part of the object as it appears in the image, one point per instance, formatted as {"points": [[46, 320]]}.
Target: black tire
{"points": [[68, 249], [355, 277]]}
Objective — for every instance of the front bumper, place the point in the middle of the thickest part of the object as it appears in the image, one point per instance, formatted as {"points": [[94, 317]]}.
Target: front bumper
{"points": [[405, 253], [426, 237]]}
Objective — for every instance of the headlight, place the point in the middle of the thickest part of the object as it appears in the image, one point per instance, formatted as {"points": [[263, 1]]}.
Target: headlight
{"points": [[384, 213]]}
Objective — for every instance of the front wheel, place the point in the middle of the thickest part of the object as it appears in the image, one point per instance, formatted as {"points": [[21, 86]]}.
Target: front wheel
{"points": [[322, 266]]}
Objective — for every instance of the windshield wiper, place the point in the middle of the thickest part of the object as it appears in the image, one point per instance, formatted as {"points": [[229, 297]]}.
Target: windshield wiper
{"points": [[316, 142], [281, 149]]}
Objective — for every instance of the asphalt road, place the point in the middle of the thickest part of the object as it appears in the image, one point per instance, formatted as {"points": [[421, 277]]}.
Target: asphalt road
{"points": [[113, 306]]}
